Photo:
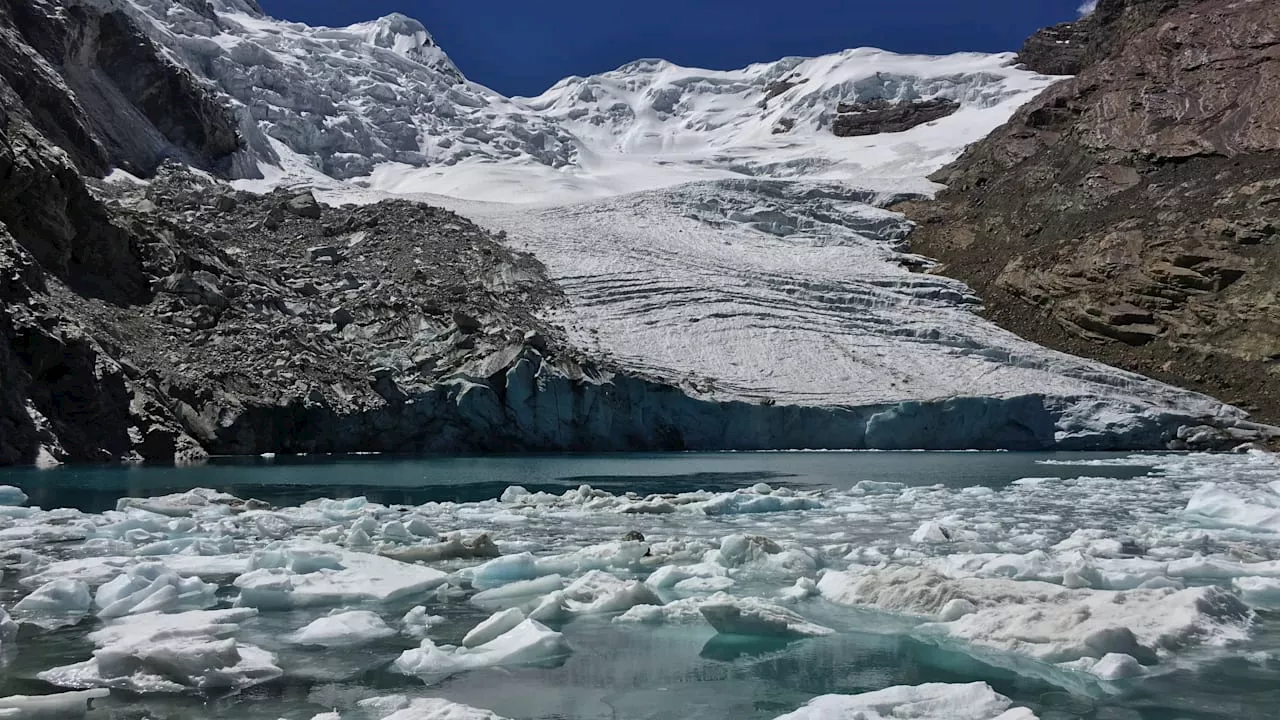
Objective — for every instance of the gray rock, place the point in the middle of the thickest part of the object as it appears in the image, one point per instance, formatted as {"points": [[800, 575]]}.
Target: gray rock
{"points": [[199, 288], [341, 317], [274, 218], [305, 205], [328, 254]]}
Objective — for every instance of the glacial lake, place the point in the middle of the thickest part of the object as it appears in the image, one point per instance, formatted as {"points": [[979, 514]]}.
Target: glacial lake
{"points": [[860, 510]]}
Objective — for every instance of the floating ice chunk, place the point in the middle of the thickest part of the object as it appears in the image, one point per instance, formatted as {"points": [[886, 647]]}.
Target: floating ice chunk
{"points": [[12, 496], [419, 526], [382, 705], [63, 706], [877, 487], [456, 547], [199, 500], [682, 612], [668, 576], [8, 628], [513, 495], [754, 555], [932, 531], [742, 503], [737, 550], [517, 590], [357, 538], [92, 570], [338, 510], [1117, 666], [703, 585], [804, 589], [956, 609], [1199, 567], [1045, 621], [418, 622], [613, 555], [56, 603], [438, 709], [600, 592], [752, 616], [648, 507], [300, 560], [1212, 505], [151, 587], [505, 570], [170, 653], [1258, 592], [931, 701], [356, 627], [551, 608], [528, 643], [492, 627], [309, 578]]}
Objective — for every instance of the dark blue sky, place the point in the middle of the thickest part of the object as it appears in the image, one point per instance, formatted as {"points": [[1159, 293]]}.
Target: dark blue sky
{"points": [[521, 47]]}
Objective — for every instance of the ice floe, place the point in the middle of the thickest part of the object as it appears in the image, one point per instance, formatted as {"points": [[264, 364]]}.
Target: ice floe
{"points": [[932, 701], [529, 642], [344, 629], [1087, 582], [158, 653]]}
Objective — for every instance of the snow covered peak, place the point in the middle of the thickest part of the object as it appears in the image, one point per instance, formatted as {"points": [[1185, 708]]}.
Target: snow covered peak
{"points": [[248, 7], [407, 37], [382, 100]]}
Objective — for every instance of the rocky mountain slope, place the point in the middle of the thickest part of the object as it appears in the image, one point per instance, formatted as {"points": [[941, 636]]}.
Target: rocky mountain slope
{"points": [[1131, 214], [252, 283]]}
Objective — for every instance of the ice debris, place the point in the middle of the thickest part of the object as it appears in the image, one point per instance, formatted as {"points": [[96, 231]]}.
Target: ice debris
{"points": [[344, 629], [931, 701], [528, 643], [158, 653]]}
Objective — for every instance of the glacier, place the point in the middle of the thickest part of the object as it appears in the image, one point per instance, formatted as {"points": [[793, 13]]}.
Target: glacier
{"points": [[731, 264]]}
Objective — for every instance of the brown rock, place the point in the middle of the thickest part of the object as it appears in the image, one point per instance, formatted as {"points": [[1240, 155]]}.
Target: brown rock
{"points": [[1129, 213]]}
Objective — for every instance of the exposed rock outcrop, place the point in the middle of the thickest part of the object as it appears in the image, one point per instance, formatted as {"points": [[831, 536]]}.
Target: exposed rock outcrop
{"points": [[884, 116], [1058, 49], [1130, 214], [95, 85]]}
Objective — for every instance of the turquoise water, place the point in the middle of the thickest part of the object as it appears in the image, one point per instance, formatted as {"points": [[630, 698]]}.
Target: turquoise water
{"points": [[620, 672], [295, 479]]}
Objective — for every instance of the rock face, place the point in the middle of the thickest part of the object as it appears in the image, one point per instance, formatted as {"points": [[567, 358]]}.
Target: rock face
{"points": [[1058, 49], [1131, 214], [93, 83], [883, 116]]}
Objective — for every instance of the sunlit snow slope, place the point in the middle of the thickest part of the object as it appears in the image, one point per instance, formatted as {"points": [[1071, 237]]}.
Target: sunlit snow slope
{"points": [[774, 277]]}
